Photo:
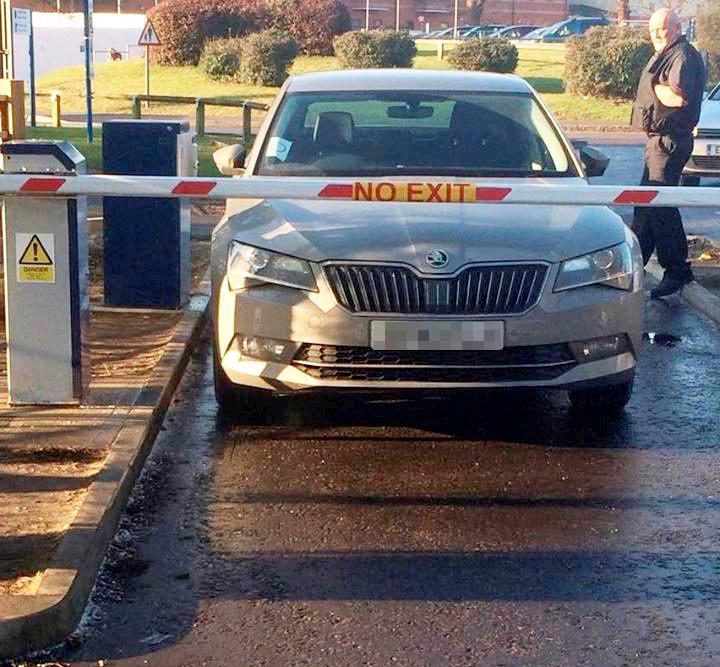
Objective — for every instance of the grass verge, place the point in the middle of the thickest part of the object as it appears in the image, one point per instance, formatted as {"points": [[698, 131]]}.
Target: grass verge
{"points": [[542, 66], [93, 151]]}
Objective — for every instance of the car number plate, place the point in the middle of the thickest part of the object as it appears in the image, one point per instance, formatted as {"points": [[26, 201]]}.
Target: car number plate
{"points": [[712, 149], [436, 335]]}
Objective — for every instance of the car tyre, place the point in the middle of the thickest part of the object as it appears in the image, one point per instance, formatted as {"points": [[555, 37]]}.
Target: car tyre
{"points": [[234, 399], [690, 181], [606, 401]]}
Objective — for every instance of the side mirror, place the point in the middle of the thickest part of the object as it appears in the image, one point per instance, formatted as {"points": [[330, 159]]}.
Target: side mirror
{"points": [[230, 160], [594, 161]]}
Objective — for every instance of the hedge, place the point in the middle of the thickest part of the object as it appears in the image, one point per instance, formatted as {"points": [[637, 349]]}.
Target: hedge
{"points": [[708, 31], [184, 26], [265, 58], [375, 48], [220, 58], [313, 24], [489, 54], [607, 62]]}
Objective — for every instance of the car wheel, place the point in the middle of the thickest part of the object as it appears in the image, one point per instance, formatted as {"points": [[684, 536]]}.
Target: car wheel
{"points": [[609, 400], [234, 399], [690, 181]]}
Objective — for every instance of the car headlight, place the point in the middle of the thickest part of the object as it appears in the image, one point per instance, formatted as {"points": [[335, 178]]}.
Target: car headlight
{"points": [[248, 266], [612, 267]]}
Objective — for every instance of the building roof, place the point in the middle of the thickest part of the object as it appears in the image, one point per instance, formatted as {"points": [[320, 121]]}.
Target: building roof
{"points": [[406, 79]]}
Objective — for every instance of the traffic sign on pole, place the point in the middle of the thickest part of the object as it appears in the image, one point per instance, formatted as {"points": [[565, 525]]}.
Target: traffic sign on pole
{"points": [[149, 36]]}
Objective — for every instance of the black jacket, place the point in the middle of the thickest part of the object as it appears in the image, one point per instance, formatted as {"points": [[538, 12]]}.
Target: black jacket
{"points": [[679, 66]]}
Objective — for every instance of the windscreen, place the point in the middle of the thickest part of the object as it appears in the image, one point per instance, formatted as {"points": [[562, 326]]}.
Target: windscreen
{"points": [[396, 133]]}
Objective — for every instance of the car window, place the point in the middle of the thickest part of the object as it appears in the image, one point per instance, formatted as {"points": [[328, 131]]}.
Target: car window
{"points": [[395, 133]]}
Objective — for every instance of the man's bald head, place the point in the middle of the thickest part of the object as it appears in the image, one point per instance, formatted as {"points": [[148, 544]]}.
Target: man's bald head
{"points": [[665, 27]]}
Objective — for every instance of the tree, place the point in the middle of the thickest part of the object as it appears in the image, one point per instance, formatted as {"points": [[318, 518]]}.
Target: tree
{"points": [[475, 10], [683, 8], [623, 10]]}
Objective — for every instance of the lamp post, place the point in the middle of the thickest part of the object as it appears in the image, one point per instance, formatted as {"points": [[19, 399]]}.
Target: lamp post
{"points": [[397, 15], [367, 14], [455, 24], [88, 41]]}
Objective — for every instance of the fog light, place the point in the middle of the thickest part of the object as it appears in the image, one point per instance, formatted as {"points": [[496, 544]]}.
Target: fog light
{"points": [[268, 349], [600, 348]]}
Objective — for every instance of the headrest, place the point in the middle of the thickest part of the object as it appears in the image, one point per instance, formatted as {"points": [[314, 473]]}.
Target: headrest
{"points": [[466, 116], [333, 128]]}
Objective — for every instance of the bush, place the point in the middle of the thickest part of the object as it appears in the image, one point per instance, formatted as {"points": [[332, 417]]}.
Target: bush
{"points": [[607, 62], [485, 54], [708, 32], [184, 26], [311, 23], [375, 48], [265, 58], [220, 58]]}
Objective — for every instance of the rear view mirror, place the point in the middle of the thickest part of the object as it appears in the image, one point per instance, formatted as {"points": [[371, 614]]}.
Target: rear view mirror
{"points": [[410, 111], [594, 161], [230, 160]]}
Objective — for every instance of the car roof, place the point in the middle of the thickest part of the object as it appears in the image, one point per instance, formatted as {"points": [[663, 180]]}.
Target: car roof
{"points": [[407, 79]]}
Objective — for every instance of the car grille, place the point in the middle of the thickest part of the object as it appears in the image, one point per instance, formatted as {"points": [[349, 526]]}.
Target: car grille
{"points": [[708, 132], [706, 162], [485, 290], [329, 362]]}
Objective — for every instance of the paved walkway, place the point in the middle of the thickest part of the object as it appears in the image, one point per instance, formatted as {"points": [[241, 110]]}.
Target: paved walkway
{"points": [[49, 456]]}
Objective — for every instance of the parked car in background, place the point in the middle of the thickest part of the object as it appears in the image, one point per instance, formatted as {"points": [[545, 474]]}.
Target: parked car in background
{"points": [[483, 30], [705, 158], [389, 283], [513, 31], [448, 33], [535, 35], [572, 27]]}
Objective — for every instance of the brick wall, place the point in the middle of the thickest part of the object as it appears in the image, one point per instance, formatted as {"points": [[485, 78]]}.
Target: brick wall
{"points": [[440, 13]]}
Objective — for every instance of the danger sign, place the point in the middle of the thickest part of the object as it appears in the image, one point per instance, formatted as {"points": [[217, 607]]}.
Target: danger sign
{"points": [[149, 37], [35, 258]]}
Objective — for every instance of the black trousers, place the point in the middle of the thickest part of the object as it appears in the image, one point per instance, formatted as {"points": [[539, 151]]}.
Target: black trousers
{"points": [[660, 228]]}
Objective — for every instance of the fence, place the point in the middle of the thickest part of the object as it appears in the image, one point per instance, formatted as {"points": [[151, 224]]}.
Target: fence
{"points": [[200, 103]]}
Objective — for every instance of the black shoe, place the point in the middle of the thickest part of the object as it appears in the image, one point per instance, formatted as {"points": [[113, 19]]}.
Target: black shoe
{"points": [[672, 283]]}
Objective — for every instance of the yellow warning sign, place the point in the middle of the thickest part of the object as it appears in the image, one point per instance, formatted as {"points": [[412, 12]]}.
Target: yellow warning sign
{"points": [[35, 258]]}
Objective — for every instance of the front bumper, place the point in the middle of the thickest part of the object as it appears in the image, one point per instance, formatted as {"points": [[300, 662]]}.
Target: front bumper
{"points": [[704, 160], [302, 321]]}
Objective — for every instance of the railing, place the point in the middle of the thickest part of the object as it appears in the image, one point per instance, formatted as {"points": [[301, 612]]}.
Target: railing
{"points": [[199, 102]]}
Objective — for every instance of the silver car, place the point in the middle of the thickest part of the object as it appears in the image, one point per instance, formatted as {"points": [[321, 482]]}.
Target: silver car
{"points": [[705, 158], [388, 294]]}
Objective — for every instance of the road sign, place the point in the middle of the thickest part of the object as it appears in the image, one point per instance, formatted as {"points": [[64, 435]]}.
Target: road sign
{"points": [[149, 37]]}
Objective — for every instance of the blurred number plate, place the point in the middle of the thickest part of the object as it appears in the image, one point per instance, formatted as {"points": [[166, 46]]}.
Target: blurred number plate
{"points": [[438, 335], [713, 149]]}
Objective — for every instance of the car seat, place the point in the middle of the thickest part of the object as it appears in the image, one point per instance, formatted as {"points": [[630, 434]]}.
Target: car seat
{"points": [[333, 132], [485, 139]]}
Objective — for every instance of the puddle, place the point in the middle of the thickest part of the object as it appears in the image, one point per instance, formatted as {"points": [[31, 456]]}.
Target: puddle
{"points": [[665, 339]]}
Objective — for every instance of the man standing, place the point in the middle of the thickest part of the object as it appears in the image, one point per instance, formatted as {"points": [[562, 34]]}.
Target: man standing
{"points": [[667, 108]]}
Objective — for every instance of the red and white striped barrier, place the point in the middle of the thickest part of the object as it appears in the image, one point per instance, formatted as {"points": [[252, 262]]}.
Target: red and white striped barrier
{"points": [[258, 187]]}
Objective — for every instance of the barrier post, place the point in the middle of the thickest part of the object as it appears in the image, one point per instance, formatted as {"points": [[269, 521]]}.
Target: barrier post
{"points": [[55, 101], [46, 278], [136, 112], [200, 117], [440, 50], [247, 125], [13, 121]]}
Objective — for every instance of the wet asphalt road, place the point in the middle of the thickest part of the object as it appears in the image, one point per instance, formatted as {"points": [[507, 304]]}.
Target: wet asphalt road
{"points": [[625, 150], [496, 530]]}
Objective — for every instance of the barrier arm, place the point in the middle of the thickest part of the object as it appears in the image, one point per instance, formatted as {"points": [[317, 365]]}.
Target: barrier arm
{"points": [[259, 187]]}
